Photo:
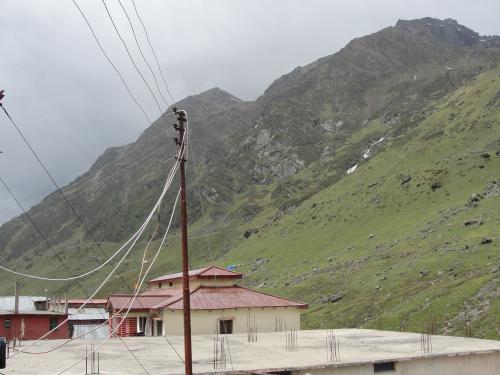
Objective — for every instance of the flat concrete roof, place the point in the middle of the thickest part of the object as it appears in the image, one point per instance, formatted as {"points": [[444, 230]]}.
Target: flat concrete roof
{"points": [[269, 352]]}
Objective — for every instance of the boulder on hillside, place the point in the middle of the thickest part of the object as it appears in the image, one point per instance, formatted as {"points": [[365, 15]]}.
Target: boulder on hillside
{"points": [[436, 185], [405, 179], [473, 222], [336, 297]]}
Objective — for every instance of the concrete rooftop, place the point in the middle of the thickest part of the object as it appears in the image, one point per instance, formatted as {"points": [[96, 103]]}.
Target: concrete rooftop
{"points": [[356, 346]]}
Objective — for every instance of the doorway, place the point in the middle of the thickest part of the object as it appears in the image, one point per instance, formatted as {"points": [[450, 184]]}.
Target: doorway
{"points": [[159, 328]]}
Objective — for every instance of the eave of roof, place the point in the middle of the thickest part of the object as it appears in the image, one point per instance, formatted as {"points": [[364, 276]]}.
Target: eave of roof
{"points": [[252, 299], [141, 302], [36, 312]]}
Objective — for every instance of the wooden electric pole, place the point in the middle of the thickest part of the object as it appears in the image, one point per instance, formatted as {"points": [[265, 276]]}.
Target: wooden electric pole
{"points": [[181, 141]]}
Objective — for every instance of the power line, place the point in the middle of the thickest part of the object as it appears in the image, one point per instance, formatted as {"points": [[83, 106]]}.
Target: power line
{"points": [[67, 269], [111, 62], [154, 53], [130, 56], [102, 265], [59, 259], [156, 206], [136, 292], [33, 223], [57, 187], [171, 175], [149, 155], [142, 54]]}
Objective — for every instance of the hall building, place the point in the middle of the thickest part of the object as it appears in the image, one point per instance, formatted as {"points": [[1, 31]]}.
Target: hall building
{"points": [[218, 305]]}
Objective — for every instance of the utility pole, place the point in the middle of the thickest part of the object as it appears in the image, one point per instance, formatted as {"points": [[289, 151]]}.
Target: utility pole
{"points": [[181, 141]]}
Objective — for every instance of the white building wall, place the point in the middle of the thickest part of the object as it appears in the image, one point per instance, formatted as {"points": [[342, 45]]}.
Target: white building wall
{"points": [[474, 364], [203, 322]]}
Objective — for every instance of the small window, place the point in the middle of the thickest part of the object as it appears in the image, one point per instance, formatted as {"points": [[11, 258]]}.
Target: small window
{"points": [[159, 285], [170, 283], [384, 367], [6, 323], [225, 327], [52, 323]]}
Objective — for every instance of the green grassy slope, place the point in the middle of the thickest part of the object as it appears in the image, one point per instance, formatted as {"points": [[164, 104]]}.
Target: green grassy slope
{"points": [[389, 249], [422, 260]]}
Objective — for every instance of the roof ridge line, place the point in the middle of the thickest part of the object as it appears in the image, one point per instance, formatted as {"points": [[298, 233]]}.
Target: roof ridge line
{"points": [[177, 299], [271, 295]]}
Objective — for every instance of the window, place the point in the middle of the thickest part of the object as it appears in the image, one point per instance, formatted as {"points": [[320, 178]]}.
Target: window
{"points": [[52, 323], [384, 367], [170, 283], [225, 327], [6, 323], [159, 285]]}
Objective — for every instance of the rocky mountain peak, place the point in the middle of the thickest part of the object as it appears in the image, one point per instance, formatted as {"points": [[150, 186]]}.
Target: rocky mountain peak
{"points": [[216, 94], [447, 31]]}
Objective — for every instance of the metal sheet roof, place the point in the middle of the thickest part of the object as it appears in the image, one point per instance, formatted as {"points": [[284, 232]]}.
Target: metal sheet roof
{"points": [[229, 297], [211, 272], [140, 303], [26, 303]]}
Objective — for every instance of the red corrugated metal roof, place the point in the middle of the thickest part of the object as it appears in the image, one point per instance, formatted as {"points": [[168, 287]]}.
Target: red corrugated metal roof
{"points": [[162, 292], [210, 272], [229, 297], [118, 301]]}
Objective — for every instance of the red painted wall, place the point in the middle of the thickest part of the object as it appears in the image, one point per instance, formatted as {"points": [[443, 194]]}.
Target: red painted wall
{"points": [[127, 328], [35, 326]]}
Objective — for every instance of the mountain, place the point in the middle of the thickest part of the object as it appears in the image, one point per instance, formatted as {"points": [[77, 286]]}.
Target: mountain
{"points": [[365, 183]]}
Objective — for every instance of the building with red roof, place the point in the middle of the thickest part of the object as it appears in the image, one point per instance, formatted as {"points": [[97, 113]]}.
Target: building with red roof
{"points": [[218, 304]]}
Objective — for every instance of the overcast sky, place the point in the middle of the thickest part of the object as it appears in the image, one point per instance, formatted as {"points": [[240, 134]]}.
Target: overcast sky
{"points": [[72, 106]]}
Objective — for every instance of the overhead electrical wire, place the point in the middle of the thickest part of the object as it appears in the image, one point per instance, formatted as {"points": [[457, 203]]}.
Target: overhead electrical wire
{"points": [[24, 351], [133, 299], [112, 333], [135, 295], [130, 56], [154, 53], [167, 184], [142, 53], [142, 110], [134, 237], [79, 193], [108, 319], [30, 219], [79, 285], [111, 62], [84, 226]]}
